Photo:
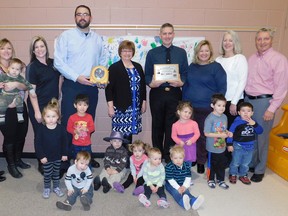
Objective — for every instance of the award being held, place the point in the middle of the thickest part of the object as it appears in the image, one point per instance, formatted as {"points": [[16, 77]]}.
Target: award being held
{"points": [[166, 72], [99, 75]]}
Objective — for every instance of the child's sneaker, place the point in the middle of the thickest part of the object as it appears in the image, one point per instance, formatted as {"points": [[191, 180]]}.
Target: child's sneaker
{"points": [[245, 180], [46, 193], [118, 187], [143, 199], [138, 190], [2, 119], [20, 117], [211, 184], [58, 192], [198, 202], [223, 185], [85, 203], [106, 185], [162, 202], [64, 205], [97, 183], [186, 202]]}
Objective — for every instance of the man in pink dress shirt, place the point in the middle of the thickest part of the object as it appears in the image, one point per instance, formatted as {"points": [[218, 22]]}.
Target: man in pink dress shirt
{"points": [[266, 89]]}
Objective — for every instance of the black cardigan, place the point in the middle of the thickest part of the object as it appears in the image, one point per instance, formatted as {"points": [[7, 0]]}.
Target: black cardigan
{"points": [[118, 90]]}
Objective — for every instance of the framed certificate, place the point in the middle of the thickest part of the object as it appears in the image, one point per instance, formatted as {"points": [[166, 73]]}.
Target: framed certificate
{"points": [[99, 74], [166, 72]]}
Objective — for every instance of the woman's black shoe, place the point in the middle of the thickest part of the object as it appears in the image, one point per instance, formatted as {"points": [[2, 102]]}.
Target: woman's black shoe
{"points": [[22, 165], [200, 168], [14, 172]]}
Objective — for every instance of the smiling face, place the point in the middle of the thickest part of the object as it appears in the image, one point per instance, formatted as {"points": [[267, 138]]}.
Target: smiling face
{"points": [[204, 54], [40, 50], [167, 35], [185, 113], [83, 18], [6, 52], [81, 108], [219, 107], [228, 44], [263, 42]]}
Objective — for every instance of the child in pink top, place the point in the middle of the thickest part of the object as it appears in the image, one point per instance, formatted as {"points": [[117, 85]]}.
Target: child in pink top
{"points": [[185, 132], [138, 148]]}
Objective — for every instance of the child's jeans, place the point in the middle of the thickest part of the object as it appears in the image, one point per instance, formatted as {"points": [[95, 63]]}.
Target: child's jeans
{"points": [[77, 193], [160, 192], [241, 159], [179, 197]]}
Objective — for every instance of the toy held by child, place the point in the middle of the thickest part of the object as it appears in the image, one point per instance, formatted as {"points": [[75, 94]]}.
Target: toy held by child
{"points": [[138, 148], [185, 132], [13, 98], [154, 177], [215, 130], [178, 180], [78, 181], [115, 160], [51, 147], [244, 130]]}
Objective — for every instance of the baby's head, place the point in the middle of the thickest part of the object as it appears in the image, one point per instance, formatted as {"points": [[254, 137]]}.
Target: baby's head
{"points": [[155, 156], [177, 155], [82, 160], [15, 67], [116, 139], [138, 148], [245, 110]]}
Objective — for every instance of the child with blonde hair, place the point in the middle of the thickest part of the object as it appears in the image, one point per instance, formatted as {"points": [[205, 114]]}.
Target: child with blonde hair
{"points": [[185, 132], [51, 146], [154, 177], [178, 180], [137, 160]]}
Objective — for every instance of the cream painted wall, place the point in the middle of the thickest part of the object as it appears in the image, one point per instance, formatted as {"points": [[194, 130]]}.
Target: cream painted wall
{"points": [[214, 15]]}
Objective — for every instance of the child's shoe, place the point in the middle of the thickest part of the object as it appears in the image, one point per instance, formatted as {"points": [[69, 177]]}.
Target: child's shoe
{"points": [[232, 179], [20, 117], [64, 205], [2, 119], [223, 185], [46, 193], [118, 187], [96, 183], [106, 185], [198, 202], [138, 190], [143, 199], [58, 192], [162, 202], [211, 184], [85, 203], [245, 180], [186, 202]]}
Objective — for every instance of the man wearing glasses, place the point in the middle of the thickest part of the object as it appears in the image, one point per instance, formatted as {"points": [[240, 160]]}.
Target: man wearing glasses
{"points": [[77, 51]]}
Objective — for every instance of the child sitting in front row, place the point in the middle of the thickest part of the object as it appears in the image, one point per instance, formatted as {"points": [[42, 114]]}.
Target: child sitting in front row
{"points": [[154, 177], [178, 180], [215, 130], [78, 181], [244, 130], [138, 148], [115, 161]]}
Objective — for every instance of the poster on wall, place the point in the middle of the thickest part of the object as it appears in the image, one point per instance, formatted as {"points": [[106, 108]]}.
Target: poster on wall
{"points": [[144, 43]]}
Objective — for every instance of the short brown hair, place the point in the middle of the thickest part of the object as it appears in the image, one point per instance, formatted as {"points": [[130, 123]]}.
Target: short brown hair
{"points": [[217, 97], [126, 44], [166, 25]]}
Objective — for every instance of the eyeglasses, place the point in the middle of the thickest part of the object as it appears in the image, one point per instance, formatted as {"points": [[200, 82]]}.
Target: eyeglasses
{"points": [[82, 14], [126, 51]]}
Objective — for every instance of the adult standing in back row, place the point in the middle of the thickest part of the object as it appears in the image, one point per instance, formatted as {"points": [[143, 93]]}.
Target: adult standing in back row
{"points": [[77, 51], [164, 96], [266, 89]]}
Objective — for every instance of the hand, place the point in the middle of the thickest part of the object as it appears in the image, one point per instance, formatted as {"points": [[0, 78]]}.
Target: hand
{"points": [[181, 189], [101, 86], [9, 86], [12, 104], [83, 191], [268, 116], [181, 143], [144, 107], [189, 142], [233, 109], [135, 180], [251, 122], [1, 85], [156, 84], [223, 135], [230, 148], [70, 192], [175, 83], [64, 158], [44, 160], [230, 134], [84, 81], [111, 111], [38, 117]]}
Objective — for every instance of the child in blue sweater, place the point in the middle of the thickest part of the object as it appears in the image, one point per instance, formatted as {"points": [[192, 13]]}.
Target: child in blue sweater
{"points": [[244, 130]]}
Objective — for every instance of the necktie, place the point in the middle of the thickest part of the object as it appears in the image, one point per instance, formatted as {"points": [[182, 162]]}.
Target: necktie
{"points": [[168, 57]]}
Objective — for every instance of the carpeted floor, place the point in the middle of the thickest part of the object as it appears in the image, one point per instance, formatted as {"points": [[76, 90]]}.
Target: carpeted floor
{"points": [[24, 197]]}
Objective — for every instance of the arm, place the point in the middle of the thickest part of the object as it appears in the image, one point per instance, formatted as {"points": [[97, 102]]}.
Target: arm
{"points": [[70, 125], [196, 132], [35, 105], [90, 124], [174, 135]]}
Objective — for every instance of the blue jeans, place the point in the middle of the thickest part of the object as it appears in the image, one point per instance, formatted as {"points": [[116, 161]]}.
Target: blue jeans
{"points": [[179, 197], [77, 192], [241, 159]]}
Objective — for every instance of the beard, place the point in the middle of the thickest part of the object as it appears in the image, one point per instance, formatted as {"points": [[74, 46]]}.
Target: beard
{"points": [[82, 24]]}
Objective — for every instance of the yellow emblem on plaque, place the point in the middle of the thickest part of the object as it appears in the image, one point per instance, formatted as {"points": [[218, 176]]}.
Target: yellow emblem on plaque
{"points": [[99, 74]]}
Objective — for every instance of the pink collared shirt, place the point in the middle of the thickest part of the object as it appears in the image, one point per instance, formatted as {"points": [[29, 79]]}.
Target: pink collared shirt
{"points": [[268, 74]]}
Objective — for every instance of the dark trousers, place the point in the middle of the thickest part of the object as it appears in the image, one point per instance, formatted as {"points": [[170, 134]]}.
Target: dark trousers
{"points": [[130, 180], [70, 90], [160, 192], [200, 115], [217, 166], [163, 110]]}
